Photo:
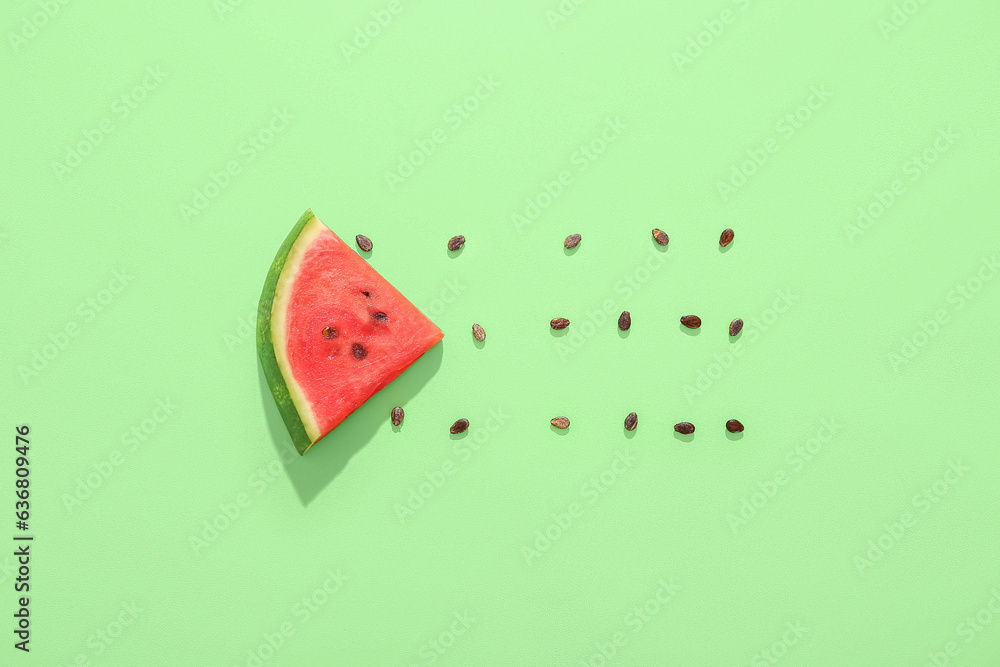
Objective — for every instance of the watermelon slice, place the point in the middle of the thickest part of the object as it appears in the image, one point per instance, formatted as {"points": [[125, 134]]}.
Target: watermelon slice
{"points": [[331, 331]]}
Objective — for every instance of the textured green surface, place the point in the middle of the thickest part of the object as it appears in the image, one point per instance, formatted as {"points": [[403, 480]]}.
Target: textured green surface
{"points": [[828, 304], [265, 346]]}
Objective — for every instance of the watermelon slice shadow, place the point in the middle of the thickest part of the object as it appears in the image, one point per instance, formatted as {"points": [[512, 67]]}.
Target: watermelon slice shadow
{"points": [[311, 474]]}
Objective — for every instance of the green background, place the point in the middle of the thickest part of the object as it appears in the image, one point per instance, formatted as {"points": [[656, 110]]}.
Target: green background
{"points": [[777, 529]]}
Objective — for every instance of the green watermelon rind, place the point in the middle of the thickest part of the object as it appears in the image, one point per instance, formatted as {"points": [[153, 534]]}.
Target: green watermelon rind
{"points": [[265, 344]]}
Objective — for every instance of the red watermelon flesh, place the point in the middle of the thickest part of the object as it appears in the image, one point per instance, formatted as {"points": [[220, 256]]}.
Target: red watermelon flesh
{"points": [[340, 332]]}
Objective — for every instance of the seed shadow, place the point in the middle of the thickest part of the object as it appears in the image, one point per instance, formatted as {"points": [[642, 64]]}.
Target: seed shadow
{"points": [[733, 339], [725, 249], [689, 332], [623, 334], [455, 253], [570, 251], [559, 332], [459, 436], [629, 434], [313, 471], [734, 436], [684, 438], [396, 429], [559, 431], [367, 254], [661, 248], [479, 343]]}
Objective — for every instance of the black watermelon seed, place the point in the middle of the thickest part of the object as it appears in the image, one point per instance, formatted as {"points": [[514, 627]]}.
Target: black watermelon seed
{"points": [[734, 426], [631, 421], [736, 327], [397, 416], [691, 321], [364, 242], [380, 317], [625, 320], [684, 428], [459, 426], [359, 351]]}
